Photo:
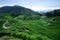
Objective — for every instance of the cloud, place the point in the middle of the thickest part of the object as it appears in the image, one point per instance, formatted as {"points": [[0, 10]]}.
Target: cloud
{"points": [[33, 4]]}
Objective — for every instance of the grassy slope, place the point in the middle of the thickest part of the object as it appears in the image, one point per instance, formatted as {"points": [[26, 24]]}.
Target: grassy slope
{"points": [[36, 27]]}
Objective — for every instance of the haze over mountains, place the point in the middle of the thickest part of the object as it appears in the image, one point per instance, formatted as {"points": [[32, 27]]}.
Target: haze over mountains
{"points": [[26, 24], [29, 19], [19, 10]]}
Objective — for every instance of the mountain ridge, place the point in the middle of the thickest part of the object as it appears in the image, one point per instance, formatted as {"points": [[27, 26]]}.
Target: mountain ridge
{"points": [[16, 10]]}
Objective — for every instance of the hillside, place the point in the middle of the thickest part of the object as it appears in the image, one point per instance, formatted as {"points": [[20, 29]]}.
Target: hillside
{"points": [[16, 10], [53, 13], [19, 23]]}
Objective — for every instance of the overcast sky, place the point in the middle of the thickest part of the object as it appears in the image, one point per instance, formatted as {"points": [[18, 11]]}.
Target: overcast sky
{"points": [[33, 4]]}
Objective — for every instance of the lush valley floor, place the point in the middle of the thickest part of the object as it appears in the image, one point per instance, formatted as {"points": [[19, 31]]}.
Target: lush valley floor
{"points": [[29, 28]]}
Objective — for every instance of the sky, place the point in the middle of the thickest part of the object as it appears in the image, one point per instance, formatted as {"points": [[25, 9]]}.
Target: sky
{"points": [[33, 4]]}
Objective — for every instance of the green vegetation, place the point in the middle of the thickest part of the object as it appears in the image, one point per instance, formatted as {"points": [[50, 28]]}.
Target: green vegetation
{"points": [[29, 27]]}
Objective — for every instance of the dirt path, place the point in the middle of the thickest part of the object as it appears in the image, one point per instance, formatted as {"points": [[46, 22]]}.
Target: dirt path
{"points": [[4, 25]]}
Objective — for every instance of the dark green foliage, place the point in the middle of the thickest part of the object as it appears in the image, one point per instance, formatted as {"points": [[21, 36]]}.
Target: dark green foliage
{"points": [[27, 25], [23, 29], [16, 10], [54, 29], [53, 13]]}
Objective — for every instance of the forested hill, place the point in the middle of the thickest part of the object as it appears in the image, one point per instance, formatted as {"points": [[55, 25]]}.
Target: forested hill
{"points": [[53, 13], [16, 10], [25, 25]]}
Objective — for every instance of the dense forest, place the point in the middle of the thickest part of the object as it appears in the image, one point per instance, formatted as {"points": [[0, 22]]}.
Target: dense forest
{"points": [[20, 23]]}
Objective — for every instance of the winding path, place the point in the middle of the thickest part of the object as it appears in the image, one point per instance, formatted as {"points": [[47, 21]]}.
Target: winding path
{"points": [[4, 25]]}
